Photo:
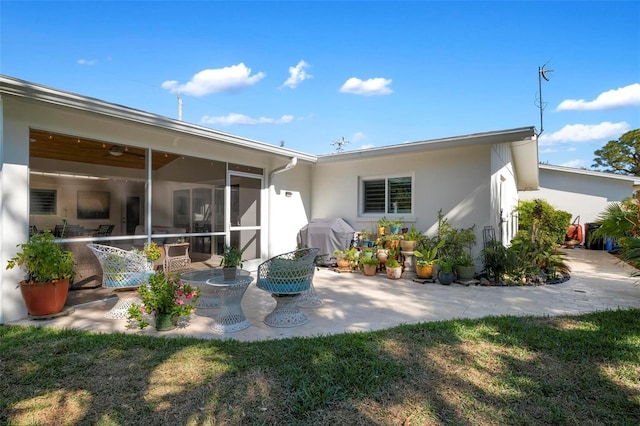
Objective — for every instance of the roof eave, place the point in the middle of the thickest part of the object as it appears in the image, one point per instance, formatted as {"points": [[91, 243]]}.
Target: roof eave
{"points": [[28, 90]]}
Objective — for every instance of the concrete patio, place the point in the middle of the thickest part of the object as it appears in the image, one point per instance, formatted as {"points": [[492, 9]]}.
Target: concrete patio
{"points": [[353, 302]]}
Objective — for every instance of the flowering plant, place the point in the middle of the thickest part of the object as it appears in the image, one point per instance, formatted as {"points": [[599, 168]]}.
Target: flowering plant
{"points": [[152, 251], [163, 294]]}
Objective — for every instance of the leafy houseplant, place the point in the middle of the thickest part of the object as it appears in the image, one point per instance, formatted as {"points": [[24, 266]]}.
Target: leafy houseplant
{"points": [[446, 275], [347, 259], [394, 269], [165, 297], [152, 251], [370, 265], [231, 260], [48, 268]]}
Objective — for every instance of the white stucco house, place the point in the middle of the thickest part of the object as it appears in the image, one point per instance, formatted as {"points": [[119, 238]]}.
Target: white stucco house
{"points": [[70, 159], [583, 193]]}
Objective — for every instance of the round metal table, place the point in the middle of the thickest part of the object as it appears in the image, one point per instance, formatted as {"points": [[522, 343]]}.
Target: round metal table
{"points": [[230, 317], [209, 295]]}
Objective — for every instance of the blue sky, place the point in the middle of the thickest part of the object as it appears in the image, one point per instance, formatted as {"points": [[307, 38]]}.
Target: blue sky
{"points": [[307, 74]]}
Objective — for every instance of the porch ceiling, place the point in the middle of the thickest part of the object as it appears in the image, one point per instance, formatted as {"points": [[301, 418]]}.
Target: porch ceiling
{"points": [[55, 146]]}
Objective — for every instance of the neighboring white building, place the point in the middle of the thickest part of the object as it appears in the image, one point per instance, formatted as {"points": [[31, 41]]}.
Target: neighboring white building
{"points": [[69, 157], [583, 193]]}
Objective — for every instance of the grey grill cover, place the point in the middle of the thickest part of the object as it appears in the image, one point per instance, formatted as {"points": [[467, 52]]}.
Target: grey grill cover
{"points": [[328, 235]]}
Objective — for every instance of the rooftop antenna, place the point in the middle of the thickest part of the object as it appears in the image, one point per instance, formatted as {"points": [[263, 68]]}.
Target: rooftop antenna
{"points": [[179, 107], [339, 144], [542, 74]]}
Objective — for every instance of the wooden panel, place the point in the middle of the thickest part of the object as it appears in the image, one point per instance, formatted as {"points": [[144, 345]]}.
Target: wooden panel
{"points": [[55, 146]]}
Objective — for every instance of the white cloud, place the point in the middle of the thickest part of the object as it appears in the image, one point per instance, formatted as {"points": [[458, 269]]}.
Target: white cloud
{"points": [[228, 79], [86, 62], [572, 149], [584, 133], [371, 87], [576, 164], [617, 98], [235, 118], [358, 137], [297, 75], [367, 146], [548, 151]]}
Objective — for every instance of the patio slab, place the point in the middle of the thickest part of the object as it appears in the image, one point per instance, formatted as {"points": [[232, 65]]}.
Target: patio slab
{"points": [[353, 302]]}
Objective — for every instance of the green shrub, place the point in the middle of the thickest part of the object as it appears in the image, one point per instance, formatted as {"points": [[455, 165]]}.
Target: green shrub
{"points": [[538, 216]]}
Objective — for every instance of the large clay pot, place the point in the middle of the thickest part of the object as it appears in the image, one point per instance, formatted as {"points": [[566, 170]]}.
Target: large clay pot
{"points": [[45, 298], [425, 271]]}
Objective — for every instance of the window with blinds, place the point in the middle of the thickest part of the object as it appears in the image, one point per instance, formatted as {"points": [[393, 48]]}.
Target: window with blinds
{"points": [[391, 195], [43, 201]]}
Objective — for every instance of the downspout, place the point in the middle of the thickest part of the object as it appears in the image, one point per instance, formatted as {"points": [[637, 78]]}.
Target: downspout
{"points": [[290, 165]]}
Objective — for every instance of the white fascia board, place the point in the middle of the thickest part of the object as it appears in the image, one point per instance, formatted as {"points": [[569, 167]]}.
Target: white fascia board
{"points": [[525, 162], [502, 136], [40, 93], [635, 180]]}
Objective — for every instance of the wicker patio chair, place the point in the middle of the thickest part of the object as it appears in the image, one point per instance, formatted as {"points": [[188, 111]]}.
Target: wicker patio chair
{"points": [[121, 270], [286, 276]]}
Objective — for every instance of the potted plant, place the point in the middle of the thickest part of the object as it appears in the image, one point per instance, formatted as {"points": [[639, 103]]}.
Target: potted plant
{"points": [[465, 268], [394, 269], [166, 298], [49, 269], [446, 274], [346, 259], [395, 226], [369, 265], [383, 223], [365, 238], [411, 239], [426, 259], [231, 260]]}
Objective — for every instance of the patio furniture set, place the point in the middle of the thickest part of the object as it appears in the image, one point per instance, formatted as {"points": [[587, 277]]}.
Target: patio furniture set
{"points": [[288, 277]]}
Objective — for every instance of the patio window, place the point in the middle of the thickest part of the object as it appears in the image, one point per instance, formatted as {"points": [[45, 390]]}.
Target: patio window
{"points": [[43, 201], [387, 195]]}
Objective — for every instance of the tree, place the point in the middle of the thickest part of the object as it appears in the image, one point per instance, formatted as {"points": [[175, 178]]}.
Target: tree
{"points": [[621, 156]]}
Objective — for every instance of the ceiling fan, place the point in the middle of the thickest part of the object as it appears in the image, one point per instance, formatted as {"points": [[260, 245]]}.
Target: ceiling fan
{"points": [[117, 151]]}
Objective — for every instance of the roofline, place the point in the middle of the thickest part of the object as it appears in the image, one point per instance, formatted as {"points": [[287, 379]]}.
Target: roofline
{"points": [[21, 88], [500, 136], [596, 173]]}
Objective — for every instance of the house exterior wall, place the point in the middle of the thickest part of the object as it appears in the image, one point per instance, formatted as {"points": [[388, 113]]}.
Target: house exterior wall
{"points": [[289, 207], [455, 180], [504, 194], [582, 194], [19, 115]]}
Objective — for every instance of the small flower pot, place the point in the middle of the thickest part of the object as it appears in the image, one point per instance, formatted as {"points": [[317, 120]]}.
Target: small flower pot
{"points": [[394, 273], [425, 271]]}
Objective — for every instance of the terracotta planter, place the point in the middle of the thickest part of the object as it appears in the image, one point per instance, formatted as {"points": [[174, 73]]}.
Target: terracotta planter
{"points": [[394, 273], [369, 270], [425, 271], [343, 264], [45, 298]]}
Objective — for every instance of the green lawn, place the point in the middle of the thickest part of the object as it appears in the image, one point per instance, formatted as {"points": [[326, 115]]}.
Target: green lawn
{"points": [[576, 370]]}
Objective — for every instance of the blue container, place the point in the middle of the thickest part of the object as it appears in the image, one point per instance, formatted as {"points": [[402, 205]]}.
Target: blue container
{"points": [[608, 245]]}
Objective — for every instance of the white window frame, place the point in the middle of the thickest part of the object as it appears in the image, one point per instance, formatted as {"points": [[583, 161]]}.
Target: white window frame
{"points": [[387, 212]]}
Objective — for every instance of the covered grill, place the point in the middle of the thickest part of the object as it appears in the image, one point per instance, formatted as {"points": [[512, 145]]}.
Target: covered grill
{"points": [[328, 235]]}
